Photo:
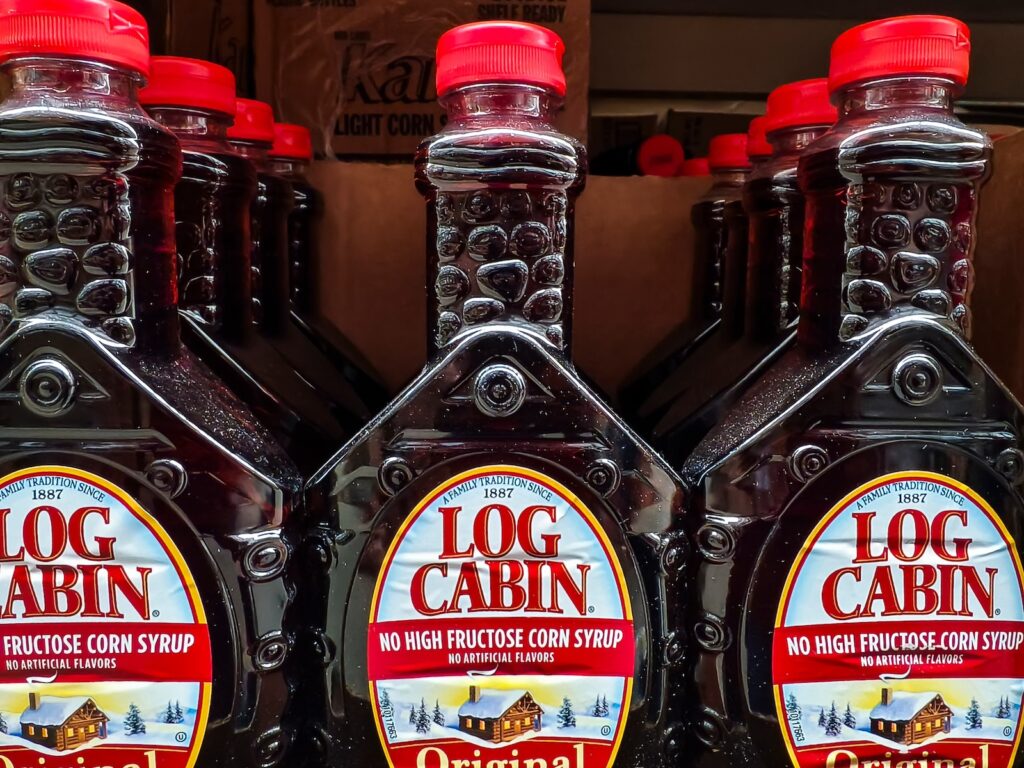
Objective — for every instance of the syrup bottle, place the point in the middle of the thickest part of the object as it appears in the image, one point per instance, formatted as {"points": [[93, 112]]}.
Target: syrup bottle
{"points": [[729, 163], [143, 566], [714, 352], [497, 505], [765, 326], [252, 136], [858, 582], [290, 155], [196, 101]]}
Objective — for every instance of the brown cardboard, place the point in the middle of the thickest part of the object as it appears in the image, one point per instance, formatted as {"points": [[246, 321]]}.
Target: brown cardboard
{"points": [[633, 263], [360, 73], [216, 30]]}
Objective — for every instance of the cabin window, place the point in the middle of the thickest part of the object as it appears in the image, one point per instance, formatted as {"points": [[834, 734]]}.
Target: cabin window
{"points": [[938, 722], [92, 729], [893, 727], [528, 720], [71, 731], [31, 730], [508, 725], [881, 726], [45, 732], [919, 726]]}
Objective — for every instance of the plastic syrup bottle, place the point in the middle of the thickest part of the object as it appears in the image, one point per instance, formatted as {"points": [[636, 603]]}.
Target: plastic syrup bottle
{"points": [[504, 550], [290, 155], [765, 326], [142, 559], [730, 165], [715, 352], [196, 101], [252, 136], [858, 582]]}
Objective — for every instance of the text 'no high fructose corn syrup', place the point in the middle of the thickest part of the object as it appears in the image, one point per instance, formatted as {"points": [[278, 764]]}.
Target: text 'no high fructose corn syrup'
{"points": [[142, 555], [506, 555], [857, 582]]}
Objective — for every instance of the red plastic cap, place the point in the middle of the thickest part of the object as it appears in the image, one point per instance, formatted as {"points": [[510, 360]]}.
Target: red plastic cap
{"points": [[254, 121], [695, 166], [757, 140], [190, 83], [727, 151], [500, 52], [803, 103], [292, 142], [660, 155], [903, 45], [98, 30]]}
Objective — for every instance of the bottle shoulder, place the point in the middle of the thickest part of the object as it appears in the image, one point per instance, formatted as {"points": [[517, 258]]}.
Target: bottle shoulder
{"points": [[499, 391], [104, 378], [865, 388]]}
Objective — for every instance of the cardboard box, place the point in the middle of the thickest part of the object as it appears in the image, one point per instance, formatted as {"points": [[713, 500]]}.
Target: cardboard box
{"points": [[633, 266], [360, 73]]}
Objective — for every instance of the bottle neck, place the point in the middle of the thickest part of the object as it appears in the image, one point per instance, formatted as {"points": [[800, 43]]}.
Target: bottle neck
{"points": [[88, 84], [288, 167], [776, 212], [501, 185], [193, 124], [256, 153], [891, 201], [109, 171]]}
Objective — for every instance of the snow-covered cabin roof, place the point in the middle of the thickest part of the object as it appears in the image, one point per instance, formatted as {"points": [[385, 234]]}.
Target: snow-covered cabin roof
{"points": [[902, 706], [54, 710], [491, 704]]}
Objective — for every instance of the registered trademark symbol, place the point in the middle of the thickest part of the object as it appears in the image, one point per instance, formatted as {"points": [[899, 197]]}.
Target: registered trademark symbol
{"points": [[180, 736], [590, 609], [605, 730]]}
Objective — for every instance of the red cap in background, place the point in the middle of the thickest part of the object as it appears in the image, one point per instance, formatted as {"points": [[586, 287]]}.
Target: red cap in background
{"points": [[254, 121], [728, 150], [99, 30], [757, 139], [939, 46], [180, 82], [292, 142], [803, 103], [500, 52], [660, 155], [695, 166]]}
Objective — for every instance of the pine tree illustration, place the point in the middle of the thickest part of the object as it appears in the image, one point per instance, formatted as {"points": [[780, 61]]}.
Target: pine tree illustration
{"points": [[3, 724], [422, 718], [1004, 710], [821, 719], [438, 714], [133, 723], [412, 716], [973, 716], [168, 715], [385, 699], [566, 717], [179, 716], [848, 719], [833, 725], [597, 707], [604, 706], [792, 705]]}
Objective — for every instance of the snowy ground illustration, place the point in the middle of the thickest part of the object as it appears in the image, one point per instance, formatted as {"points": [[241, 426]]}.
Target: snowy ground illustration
{"points": [[145, 726], [833, 714], [589, 712]]}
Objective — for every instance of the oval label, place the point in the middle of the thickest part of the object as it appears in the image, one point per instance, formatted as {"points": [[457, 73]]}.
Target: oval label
{"points": [[899, 640], [104, 647], [501, 629]]}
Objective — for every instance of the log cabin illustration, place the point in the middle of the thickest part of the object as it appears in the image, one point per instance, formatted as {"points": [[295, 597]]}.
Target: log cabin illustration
{"points": [[499, 715], [910, 718], [62, 723]]}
